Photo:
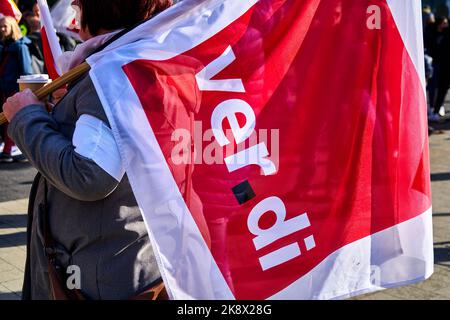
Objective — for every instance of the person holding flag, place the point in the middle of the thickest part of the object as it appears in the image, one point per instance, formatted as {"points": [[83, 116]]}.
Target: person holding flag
{"points": [[100, 231], [201, 119]]}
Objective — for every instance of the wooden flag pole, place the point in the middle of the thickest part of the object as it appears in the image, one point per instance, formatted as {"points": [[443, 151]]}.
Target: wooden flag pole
{"points": [[68, 77]]}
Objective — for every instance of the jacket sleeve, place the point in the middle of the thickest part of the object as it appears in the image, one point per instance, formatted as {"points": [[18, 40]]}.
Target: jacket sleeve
{"points": [[36, 134], [25, 60]]}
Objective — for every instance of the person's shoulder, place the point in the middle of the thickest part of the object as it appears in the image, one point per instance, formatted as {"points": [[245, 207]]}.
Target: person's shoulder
{"points": [[83, 84], [23, 41], [84, 91], [82, 98], [87, 99], [35, 36], [62, 36], [20, 44], [67, 42]]}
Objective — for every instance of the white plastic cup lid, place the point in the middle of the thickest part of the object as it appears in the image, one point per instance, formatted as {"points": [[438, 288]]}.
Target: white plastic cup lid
{"points": [[34, 78]]}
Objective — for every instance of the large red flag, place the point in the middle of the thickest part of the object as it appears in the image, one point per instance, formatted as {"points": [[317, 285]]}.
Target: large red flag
{"points": [[278, 149]]}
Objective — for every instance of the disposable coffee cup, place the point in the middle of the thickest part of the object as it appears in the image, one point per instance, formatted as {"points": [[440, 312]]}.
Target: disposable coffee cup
{"points": [[33, 82]]}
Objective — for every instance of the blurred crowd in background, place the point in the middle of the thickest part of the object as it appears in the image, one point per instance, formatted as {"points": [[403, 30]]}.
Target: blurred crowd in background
{"points": [[437, 58]]}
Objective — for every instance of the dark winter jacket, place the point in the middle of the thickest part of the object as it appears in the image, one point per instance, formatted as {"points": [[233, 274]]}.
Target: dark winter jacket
{"points": [[94, 219], [15, 61]]}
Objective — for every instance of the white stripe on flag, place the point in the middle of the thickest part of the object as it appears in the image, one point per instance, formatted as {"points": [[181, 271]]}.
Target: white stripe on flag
{"points": [[181, 28], [164, 210], [369, 268], [409, 22], [53, 42]]}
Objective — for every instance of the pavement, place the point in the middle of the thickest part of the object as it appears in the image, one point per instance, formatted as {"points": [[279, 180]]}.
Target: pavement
{"points": [[15, 186], [17, 178]]}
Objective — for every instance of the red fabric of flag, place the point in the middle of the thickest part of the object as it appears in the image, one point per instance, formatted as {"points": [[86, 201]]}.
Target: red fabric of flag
{"points": [[352, 153]]}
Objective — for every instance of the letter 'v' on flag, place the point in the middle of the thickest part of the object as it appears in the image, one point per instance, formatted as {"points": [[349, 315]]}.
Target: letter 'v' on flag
{"points": [[320, 184]]}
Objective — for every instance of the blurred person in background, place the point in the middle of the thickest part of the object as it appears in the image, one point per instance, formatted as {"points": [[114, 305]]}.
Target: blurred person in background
{"points": [[427, 17], [15, 61], [441, 58], [429, 22], [25, 5], [33, 22], [66, 42], [437, 46]]}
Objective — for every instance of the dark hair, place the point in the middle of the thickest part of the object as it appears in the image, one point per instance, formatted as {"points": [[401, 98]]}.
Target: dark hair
{"points": [[440, 19], [118, 14]]}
